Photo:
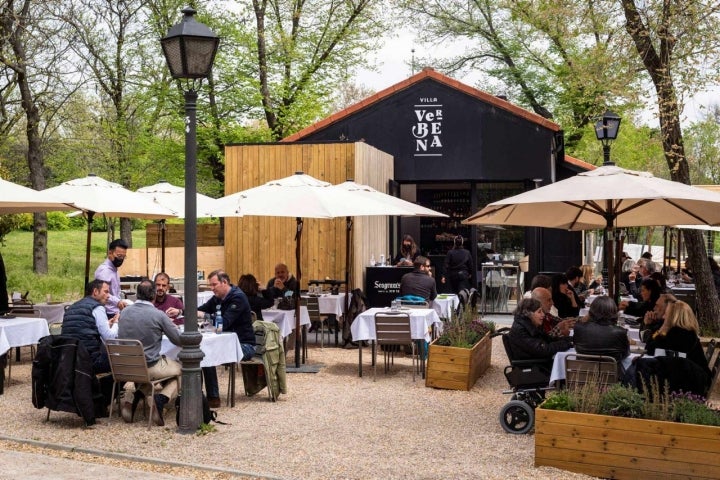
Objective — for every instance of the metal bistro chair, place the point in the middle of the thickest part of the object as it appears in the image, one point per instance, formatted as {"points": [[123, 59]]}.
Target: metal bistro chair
{"points": [[313, 305], [128, 364], [709, 350], [392, 329], [581, 369]]}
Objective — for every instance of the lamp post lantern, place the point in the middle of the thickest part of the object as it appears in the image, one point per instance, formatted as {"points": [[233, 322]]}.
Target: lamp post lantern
{"points": [[606, 130], [190, 49]]}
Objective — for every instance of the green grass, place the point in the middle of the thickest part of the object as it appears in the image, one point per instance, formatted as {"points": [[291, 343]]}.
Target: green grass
{"points": [[66, 263]]}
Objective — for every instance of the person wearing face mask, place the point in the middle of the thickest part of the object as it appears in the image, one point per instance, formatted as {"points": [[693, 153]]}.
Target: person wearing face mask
{"points": [[408, 252], [108, 272]]}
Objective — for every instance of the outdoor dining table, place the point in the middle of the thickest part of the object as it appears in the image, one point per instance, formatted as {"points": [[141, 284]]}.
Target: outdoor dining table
{"points": [[20, 332], [421, 323], [445, 304], [53, 312], [332, 304], [285, 319], [219, 349]]}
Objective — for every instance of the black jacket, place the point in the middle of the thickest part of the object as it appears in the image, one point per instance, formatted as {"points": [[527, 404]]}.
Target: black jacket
{"points": [[63, 379], [235, 310], [529, 342], [78, 322], [601, 338], [680, 340]]}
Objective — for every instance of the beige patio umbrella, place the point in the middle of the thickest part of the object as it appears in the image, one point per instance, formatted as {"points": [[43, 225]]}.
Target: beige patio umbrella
{"points": [[173, 198], [608, 197], [93, 194], [18, 199]]}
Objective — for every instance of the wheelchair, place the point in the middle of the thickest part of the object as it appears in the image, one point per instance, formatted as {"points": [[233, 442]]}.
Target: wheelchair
{"points": [[528, 381]]}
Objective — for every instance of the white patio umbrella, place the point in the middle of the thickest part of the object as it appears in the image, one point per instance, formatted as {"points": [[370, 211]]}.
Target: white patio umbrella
{"points": [[173, 198], [18, 199], [303, 196], [375, 202], [94, 194], [608, 197]]}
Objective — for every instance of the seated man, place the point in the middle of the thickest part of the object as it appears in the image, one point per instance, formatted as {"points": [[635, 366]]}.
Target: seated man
{"points": [[87, 321], [418, 282], [170, 304], [237, 317], [552, 325], [282, 283], [142, 321], [527, 339]]}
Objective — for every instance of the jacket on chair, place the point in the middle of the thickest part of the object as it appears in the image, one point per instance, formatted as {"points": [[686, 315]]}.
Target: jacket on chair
{"points": [[63, 379]]}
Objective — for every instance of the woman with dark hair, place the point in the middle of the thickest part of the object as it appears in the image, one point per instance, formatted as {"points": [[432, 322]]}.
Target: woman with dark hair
{"points": [[249, 285], [649, 293], [564, 297], [458, 266], [600, 335], [408, 252], [660, 279], [527, 339]]}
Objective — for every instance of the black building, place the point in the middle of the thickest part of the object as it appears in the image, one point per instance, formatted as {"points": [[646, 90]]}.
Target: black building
{"points": [[455, 150]]}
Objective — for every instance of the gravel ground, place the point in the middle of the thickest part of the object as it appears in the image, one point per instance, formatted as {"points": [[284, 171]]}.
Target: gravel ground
{"points": [[330, 425]]}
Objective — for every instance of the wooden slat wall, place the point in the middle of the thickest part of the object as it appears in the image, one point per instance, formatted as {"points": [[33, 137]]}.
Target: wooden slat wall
{"points": [[140, 261], [255, 244], [208, 235]]}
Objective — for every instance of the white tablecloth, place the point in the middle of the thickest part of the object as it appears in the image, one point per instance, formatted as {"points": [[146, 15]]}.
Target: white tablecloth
{"points": [[558, 368], [285, 319], [332, 304], [203, 297], [53, 312], [219, 349], [421, 321], [446, 304], [21, 331]]}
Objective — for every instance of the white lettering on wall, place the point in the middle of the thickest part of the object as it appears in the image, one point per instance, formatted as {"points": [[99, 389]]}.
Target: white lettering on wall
{"points": [[427, 129]]}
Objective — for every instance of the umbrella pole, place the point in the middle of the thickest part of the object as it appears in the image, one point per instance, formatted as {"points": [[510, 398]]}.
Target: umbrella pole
{"points": [[88, 241], [348, 231], [298, 333], [162, 245]]}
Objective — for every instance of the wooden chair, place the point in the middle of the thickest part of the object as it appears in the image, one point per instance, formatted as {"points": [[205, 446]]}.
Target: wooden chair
{"points": [[715, 370], [127, 361], [392, 329], [598, 369]]}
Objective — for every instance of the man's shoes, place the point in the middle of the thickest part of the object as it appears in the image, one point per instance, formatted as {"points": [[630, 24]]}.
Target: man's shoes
{"points": [[214, 402], [157, 412]]}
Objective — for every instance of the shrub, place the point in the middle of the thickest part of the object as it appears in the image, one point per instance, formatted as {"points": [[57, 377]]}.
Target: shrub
{"points": [[464, 330], [621, 401]]}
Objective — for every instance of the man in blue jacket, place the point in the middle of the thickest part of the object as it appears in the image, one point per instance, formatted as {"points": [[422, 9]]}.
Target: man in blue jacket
{"points": [[237, 317]]}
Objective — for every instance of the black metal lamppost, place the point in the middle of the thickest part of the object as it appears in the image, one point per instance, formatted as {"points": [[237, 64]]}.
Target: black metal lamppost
{"points": [[606, 130], [190, 49]]}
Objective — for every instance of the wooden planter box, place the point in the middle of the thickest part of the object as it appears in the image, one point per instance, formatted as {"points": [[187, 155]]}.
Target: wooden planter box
{"points": [[457, 368], [616, 447]]}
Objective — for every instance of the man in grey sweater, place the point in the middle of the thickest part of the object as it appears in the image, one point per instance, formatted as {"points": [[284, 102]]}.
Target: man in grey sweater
{"points": [[142, 321]]}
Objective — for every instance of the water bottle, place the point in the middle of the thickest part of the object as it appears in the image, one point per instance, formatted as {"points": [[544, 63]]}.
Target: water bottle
{"points": [[372, 260], [218, 320], [382, 260]]}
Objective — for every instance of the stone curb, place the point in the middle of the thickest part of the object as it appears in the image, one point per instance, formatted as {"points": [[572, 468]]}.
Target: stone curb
{"points": [[133, 458]]}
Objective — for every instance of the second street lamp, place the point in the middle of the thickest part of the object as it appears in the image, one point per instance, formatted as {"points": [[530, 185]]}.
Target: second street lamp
{"points": [[606, 130], [190, 49]]}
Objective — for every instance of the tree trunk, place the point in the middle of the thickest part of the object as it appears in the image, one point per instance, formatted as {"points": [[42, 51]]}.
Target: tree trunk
{"points": [[126, 230]]}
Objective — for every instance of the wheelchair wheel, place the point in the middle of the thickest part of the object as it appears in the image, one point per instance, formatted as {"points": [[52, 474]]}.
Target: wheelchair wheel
{"points": [[517, 417]]}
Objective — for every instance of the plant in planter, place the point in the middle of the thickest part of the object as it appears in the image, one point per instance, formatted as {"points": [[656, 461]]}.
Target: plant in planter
{"points": [[461, 353], [628, 434]]}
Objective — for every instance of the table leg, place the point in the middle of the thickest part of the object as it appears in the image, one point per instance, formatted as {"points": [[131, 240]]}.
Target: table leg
{"points": [[360, 347], [3, 362]]}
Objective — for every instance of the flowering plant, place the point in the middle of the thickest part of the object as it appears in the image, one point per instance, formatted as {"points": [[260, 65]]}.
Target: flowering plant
{"points": [[464, 330]]}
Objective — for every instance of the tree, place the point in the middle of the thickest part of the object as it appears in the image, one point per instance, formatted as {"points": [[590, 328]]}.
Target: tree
{"points": [[678, 44], [561, 59], [30, 50], [301, 50]]}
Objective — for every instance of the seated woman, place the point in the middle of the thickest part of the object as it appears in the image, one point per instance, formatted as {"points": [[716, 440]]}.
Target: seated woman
{"points": [[249, 285], [527, 339], [600, 335], [680, 333], [655, 318], [564, 297], [649, 292], [683, 364]]}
